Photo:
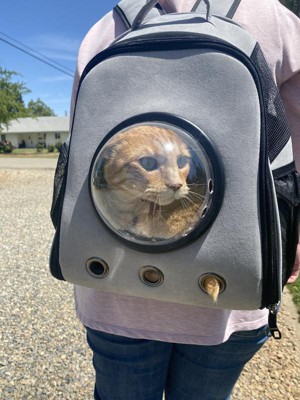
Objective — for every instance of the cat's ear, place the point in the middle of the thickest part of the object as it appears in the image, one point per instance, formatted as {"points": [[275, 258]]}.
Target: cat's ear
{"points": [[110, 146], [107, 152], [99, 178]]}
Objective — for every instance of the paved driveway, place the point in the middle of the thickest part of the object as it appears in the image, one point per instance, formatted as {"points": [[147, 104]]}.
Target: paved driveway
{"points": [[27, 163]]}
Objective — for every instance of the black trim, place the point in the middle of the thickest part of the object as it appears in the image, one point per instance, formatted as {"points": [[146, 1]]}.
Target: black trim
{"points": [[270, 240], [55, 267], [216, 165], [60, 170], [54, 264], [160, 9], [123, 17], [284, 170]]}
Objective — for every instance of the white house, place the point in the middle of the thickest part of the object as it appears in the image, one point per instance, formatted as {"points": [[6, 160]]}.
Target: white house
{"points": [[28, 132]]}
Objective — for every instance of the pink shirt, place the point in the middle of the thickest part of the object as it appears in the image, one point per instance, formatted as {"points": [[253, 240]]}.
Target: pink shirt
{"points": [[278, 32]]}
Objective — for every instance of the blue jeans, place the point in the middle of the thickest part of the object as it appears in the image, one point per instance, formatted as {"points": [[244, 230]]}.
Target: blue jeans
{"points": [[137, 369]]}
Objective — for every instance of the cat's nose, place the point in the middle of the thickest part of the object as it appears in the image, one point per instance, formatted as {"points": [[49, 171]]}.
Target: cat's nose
{"points": [[175, 186]]}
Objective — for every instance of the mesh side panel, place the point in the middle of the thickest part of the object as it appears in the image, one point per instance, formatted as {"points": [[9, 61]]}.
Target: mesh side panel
{"points": [[58, 183], [277, 129]]}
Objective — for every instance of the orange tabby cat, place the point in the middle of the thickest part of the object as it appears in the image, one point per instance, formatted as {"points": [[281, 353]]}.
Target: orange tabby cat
{"points": [[146, 191]]}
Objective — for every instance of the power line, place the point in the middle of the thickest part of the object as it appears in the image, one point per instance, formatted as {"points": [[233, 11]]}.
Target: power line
{"points": [[37, 52], [36, 57]]}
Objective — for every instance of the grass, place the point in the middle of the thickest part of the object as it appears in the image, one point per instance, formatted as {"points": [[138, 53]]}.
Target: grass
{"points": [[24, 151], [31, 153], [295, 290]]}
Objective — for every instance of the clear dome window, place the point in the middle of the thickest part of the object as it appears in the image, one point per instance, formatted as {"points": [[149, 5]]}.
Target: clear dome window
{"points": [[153, 183]]}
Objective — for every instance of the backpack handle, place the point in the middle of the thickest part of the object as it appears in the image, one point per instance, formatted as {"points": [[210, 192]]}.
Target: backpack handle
{"points": [[208, 8], [152, 3]]}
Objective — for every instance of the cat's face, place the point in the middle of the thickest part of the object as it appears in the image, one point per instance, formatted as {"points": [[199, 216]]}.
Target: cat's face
{"points": [[147, 163]]}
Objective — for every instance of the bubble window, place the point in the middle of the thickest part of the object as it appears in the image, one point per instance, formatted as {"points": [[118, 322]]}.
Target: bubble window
{"points": [[156, 181]]}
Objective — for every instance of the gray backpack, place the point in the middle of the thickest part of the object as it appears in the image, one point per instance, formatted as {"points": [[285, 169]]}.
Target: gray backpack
{"points": [[179, 166]]}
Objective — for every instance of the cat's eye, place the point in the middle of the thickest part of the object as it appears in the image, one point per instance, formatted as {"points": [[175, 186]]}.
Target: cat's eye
{"points": [[182, 161], [148, 163]]}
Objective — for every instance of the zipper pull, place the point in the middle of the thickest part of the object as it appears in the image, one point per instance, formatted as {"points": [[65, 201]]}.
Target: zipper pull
{"points": [[273, 328]]}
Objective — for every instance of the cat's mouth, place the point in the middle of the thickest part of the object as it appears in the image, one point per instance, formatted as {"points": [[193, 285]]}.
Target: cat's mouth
{"points": [[166, 197]]}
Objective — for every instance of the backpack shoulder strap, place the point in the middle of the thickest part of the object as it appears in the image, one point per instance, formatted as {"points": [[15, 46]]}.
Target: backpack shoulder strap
{"points": [[224, 8], [128, 10]]}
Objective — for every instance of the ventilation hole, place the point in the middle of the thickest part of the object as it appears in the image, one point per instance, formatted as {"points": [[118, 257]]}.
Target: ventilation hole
{"points": [[210, 186], [97, 268], [151, 276], [204, 212], [204, 277]]}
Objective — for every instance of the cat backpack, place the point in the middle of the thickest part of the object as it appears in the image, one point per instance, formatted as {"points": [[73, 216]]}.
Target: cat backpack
{"points": [[179, 171]]}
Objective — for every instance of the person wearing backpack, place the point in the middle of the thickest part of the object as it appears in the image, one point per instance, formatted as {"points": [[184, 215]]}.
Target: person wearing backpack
{"points": [[145, 347]]}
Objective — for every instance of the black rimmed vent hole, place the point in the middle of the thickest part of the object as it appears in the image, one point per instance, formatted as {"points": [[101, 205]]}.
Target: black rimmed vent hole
{"points": [[97, 268], [211, 186], [204, 212], [151, 276], [220, 279]]}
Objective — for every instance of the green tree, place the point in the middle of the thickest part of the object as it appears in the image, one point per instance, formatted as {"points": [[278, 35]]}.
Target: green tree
{"points": [[12, 105], [39, 109], [11, 98]]}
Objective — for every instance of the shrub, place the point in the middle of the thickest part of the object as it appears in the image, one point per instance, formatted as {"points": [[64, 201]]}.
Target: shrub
{"points": [[6, 147], [57, 145], [50, 148], [40, 147]]}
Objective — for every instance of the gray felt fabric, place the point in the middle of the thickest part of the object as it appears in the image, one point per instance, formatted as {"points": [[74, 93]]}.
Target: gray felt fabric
{"points": [[128, 85], [196, 23]]}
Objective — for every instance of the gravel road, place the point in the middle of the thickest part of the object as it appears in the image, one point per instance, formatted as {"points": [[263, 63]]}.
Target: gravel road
{"points": [[43, 353]]}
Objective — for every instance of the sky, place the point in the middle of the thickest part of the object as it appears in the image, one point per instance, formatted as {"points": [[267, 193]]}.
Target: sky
{"points": [[54, 28]]}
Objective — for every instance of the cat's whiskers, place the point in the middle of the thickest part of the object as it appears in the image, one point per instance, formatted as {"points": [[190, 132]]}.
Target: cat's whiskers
{"points": [[192, 202], [153, 196], [197, 184], [200, 196], [157, 205], [130, 199], [185, 204], [149, 196], [153, 209], [111, 198]]}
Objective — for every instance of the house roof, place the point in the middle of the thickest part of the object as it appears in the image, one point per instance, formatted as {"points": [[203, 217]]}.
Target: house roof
{"points": [[39, 124]]}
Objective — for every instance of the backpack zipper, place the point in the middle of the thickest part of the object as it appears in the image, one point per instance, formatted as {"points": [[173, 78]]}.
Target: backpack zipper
{"points": [[185, 40], [272, 321]]}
